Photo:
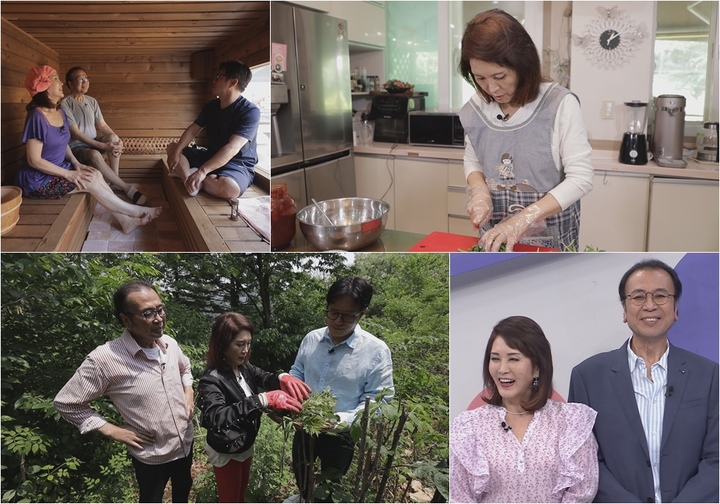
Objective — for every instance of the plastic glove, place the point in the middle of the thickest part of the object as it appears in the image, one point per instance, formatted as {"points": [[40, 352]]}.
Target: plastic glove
{"points": [[479, 205], [294, 387], [280, 401], [510, 230]]}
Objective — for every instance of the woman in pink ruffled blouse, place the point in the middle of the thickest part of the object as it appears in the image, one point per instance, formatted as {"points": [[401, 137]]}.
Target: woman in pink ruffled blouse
{"points": [[522, 446]]}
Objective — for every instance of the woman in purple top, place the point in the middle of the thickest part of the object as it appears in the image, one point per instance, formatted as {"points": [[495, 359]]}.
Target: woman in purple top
{"points": [[522, 446], [49, 170]]}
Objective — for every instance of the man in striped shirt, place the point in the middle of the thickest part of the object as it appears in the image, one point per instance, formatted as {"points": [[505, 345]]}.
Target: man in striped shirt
{"points": [[657, 404], [148, 378]]}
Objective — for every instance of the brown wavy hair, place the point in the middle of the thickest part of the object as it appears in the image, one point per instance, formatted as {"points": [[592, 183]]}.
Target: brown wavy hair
{"points": [[496, 37], [226, 327], [524, 335]]}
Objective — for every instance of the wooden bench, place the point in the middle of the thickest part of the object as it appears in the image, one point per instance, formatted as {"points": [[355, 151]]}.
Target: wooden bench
{"points": [[204, 220], [51, 225]]}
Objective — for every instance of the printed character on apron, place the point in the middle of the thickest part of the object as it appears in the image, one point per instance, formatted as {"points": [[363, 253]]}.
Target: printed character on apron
{"points": [[524, 152]]}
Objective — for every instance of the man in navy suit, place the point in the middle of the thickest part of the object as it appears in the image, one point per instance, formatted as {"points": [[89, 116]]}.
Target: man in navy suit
{"points": [[657, 404]]}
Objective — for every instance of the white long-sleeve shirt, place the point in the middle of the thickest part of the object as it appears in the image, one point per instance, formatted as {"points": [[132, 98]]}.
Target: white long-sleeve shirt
{"points": [[571, 150]]}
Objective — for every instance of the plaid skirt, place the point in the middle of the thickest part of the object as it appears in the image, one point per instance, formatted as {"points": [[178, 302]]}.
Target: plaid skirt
{"points": [[562, 228]]}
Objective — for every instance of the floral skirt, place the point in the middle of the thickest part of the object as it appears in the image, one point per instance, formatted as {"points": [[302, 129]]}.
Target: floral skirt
{"points": [[55, 189]]}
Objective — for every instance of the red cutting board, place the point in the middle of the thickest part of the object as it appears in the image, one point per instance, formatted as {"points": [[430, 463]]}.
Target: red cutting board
{"points": [[448, 242]]}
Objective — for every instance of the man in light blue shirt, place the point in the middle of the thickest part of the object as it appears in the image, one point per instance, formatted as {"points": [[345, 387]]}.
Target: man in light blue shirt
{"points": [[657, 404], [349, 360]]}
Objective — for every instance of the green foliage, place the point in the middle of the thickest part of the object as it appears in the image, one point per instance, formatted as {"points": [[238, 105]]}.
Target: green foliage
{"points": [[318, 413], [56, 308], [271, 479]]}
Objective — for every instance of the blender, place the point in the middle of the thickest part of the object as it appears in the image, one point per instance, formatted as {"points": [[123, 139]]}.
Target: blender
{"points": [[633, 149]]}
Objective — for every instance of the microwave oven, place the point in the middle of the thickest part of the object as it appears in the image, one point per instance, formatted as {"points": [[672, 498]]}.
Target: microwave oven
{"points": [[442, 129]]}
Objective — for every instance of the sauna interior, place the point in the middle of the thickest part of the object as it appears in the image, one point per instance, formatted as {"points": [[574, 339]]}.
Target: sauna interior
{"points": [[151, 65]]}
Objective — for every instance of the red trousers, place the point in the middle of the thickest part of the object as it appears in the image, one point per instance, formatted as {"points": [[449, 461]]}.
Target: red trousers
{"points": [[232, 480]]}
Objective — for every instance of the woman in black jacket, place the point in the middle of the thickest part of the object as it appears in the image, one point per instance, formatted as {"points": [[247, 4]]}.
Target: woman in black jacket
{"points": [[231, 406]]}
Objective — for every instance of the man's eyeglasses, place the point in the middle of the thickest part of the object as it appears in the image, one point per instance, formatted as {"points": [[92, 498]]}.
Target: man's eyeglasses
{"points": [[149, 315], [219, 75], [346, 317], [659, 298], [83, 80]]}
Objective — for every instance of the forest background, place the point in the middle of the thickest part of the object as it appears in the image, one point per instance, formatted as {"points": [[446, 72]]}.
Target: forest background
{"points": [[56, 308]]}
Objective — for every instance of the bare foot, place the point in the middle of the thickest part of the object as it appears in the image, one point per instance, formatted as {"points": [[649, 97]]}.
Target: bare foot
{"points": [[128, 223], [150, 216]]}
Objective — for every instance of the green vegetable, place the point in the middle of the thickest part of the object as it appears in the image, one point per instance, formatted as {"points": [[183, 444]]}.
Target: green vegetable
{"points": [[318, 413], [478, 248]]}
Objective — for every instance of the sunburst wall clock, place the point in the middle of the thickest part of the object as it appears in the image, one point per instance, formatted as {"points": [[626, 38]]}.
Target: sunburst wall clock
{"points": [[611, 38]]}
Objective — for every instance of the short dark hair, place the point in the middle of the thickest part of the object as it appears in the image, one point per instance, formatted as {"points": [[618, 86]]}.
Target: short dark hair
{"points": [[651, 264], [41, 99], [357, 288], [121, 295], [526, 336], [68, 74], [226, 327], [236, 69], [497, 37]]}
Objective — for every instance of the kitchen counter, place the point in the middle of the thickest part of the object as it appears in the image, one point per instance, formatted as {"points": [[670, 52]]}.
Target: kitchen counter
{"points": [[389, 241], [602, 160]]}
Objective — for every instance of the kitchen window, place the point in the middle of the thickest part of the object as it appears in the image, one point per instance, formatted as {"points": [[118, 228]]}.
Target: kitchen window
{"points": [[258, 92], [686, 57]]}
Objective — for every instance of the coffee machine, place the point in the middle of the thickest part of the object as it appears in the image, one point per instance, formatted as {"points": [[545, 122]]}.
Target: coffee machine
{"points": [[633, 149], [666, 140]]}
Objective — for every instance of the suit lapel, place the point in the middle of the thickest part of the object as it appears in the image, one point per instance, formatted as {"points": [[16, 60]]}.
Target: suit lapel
{"points": [[677, 376], [622, 385]]}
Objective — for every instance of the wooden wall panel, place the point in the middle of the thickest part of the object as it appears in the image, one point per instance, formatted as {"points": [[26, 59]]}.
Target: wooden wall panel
{"points": [[20, 52], [252, 47], [152, 96]]}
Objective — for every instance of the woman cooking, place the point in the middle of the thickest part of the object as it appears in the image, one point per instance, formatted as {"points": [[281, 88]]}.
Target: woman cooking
{"points": [[527, 158]]}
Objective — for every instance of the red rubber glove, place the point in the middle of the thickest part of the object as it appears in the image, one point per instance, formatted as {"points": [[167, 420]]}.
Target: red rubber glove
{"points": [[280, 401], [296, 388]]}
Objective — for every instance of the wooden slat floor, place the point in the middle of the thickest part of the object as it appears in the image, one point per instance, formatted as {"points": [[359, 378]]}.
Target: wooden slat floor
{"points": [[160, 235]]}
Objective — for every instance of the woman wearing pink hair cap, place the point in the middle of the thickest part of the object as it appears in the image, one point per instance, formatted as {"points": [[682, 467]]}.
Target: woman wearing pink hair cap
{"points": [[49, 170]]}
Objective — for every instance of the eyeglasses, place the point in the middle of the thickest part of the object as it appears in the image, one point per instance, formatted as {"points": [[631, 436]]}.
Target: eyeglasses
{"points": [[659, 298], [149, 315], [219, 75], [346, 317], [83, 80]]}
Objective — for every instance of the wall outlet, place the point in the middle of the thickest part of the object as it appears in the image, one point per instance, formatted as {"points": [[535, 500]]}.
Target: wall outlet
{"points": [[608, 109]]}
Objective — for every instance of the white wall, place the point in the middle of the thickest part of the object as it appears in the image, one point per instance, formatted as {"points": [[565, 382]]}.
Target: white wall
{"points": [[573, 297], [632, 81]]}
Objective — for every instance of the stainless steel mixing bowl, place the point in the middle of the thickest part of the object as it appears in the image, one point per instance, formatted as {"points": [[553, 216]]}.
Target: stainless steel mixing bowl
{"points": [[358, 223]]}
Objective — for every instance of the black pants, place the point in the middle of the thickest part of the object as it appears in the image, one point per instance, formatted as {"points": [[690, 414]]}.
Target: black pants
{"points": [[335, 452], [153, 478]]}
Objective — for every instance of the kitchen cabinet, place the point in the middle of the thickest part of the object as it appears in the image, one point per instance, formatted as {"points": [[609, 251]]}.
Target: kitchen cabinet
{"points": [[458, 218], [683, 215], [365, 20], [421, 195], [374, 179], [613, 216], [415, 188]]}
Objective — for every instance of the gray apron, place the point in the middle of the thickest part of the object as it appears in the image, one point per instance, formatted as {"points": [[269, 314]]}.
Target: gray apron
{"points": [[519, 167]]}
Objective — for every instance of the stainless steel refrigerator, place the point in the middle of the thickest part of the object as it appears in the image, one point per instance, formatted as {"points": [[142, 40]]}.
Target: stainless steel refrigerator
{"points": [[312, 120]]}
